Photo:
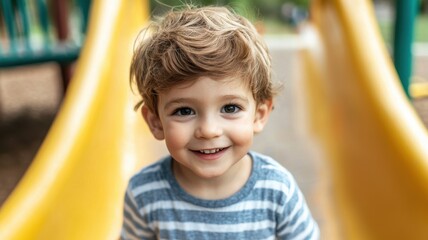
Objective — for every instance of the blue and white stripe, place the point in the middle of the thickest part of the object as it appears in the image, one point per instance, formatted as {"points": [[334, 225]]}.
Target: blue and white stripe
{"points": [[269, 206]]}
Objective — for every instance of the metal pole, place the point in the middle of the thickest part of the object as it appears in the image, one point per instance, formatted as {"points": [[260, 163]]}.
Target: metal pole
{"points": [[403, 37]]}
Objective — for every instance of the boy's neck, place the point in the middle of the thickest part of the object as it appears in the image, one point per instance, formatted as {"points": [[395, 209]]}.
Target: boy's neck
{"points": [[214, 188]]}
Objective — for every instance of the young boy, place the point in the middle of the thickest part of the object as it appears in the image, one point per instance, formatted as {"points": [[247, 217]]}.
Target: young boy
{"points": [[204, 75]]}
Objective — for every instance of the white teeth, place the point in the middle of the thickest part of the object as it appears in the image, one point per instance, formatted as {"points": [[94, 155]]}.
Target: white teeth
{"points": [[210, 151]]}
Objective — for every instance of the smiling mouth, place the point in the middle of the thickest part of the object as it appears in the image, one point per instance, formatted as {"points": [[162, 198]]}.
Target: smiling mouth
{"points": [[210, 151]]}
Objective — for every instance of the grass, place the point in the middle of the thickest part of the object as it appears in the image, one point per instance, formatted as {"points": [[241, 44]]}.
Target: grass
{"points": [[277, 27], [420, 31]]}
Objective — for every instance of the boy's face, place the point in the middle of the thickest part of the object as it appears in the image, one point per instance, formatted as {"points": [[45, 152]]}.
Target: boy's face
{"points": [[208, 125]]}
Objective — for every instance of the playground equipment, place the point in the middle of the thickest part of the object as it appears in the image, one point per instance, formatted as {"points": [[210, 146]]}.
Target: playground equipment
{"points": [[24, 47], [74, 188], [374, 141], [405, 15]]}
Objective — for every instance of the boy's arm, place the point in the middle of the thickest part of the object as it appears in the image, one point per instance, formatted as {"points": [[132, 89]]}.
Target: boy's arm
{"points": [[134, 226], [296, 221]]}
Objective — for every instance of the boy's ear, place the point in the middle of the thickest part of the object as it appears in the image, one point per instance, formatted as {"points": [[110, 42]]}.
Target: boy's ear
{"points": [[154, 123], [263, 111]]}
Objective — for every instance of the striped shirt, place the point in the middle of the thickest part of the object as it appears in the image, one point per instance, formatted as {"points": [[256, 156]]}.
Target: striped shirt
{"points": [[269, 206]]}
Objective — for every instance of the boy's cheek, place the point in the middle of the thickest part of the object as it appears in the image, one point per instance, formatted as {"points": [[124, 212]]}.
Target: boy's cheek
{"points": [[176, 135], [241, 134]]}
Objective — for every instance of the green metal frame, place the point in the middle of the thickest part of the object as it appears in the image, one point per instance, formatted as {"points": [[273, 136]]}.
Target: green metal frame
{"points": [[20, 51], [16, 16], [406, 11]]}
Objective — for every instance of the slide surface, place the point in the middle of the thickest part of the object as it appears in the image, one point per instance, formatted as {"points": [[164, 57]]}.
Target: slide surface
{"points": [[374, 141], [375, 144], [74, 189]]}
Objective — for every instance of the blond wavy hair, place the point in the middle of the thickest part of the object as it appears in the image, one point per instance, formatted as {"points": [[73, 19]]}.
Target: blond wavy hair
{"points": [[193, 42]]}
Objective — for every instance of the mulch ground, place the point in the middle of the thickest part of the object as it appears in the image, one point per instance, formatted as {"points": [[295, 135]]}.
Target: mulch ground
{"points": [[20, 138]]}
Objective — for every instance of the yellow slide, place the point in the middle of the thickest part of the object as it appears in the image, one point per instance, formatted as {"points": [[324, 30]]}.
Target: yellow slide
{"points": [[74, 188], [374, 141], [376, 144]]}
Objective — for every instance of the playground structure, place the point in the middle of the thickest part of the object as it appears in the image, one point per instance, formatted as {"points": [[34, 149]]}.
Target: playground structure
{"points": [[373, 139], [74, 188], [30, 38]]}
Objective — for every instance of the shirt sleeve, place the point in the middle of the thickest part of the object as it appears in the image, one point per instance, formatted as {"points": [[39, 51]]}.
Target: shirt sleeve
{"points": [[295, 220], [134, 225]]}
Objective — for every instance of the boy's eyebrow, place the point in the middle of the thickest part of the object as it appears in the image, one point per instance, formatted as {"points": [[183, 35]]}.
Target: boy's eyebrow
{"points": [[228, 97], [233, 97], [177, 101]]}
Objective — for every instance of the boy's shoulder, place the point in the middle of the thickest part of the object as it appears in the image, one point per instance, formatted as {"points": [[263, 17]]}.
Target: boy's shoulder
{"points": [[274, 178], [268, 163], [270, 169], [150, 173]]}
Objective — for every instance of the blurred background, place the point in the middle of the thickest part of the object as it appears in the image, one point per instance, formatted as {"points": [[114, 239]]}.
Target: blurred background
{"points": [[31, 94]]}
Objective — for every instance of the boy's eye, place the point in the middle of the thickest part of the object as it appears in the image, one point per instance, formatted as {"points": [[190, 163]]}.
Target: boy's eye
{"points": [[183, 111], [230, 108]]}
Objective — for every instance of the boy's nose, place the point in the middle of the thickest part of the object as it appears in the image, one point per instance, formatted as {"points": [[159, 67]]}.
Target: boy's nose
{"points": [[208, 128]]}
